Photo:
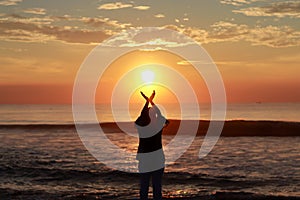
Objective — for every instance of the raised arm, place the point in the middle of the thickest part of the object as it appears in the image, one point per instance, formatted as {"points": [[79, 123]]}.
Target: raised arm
{"points": [[148, 99], [153, 104], [152, 97], [145, 108]]}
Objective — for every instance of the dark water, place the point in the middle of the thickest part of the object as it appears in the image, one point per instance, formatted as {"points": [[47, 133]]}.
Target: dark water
{"points": [[52, 163]]}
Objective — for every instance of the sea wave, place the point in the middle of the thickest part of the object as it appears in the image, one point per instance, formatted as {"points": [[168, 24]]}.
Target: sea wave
{"points": [[232, 128]]}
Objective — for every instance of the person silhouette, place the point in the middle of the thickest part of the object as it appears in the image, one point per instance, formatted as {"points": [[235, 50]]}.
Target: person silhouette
{"points": [[150, 153]]}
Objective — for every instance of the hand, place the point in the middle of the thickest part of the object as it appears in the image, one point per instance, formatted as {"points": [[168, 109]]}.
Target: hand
{"points": [[152, 96], [145, 97]]}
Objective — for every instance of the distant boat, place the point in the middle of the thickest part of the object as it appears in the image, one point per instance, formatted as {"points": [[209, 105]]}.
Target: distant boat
{"points": [[258, 102]]}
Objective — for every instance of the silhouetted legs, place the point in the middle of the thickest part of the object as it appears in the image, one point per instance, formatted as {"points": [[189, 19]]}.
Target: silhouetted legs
{"points": [[144, 185], [156, 184]]}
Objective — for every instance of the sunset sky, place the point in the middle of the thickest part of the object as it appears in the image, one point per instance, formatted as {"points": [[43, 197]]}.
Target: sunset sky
{"points": [[254, 43]]}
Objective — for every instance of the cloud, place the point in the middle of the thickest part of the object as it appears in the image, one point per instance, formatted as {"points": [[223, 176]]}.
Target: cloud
{"points": [[32, 30], [271, 36], [200, 35], [114, 6], [15, 27], [236, 2], [120, 5], [10, 2], [16, 16], [77, 36], [159, 15], [20, 35], [274, 36], [26, 20], [222, 31], [100, 22], [18, 31], [106, 24], [278, 9], [37, 11], [141, 7], [150, 39], [156, 43]]}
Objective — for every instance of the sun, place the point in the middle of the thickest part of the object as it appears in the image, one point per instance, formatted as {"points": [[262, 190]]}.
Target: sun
{"points": [[147, 76]]}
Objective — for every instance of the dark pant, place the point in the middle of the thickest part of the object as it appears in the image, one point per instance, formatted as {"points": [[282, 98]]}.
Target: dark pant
{"points": [[156, 184]]}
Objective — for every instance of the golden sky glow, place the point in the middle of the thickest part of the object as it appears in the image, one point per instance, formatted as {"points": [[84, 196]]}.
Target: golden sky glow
{"points": [[135, 59], [255, 45]]}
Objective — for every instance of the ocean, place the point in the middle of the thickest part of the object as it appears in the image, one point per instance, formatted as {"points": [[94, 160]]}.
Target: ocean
{"points": [[62, 114], [42, 157]]}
